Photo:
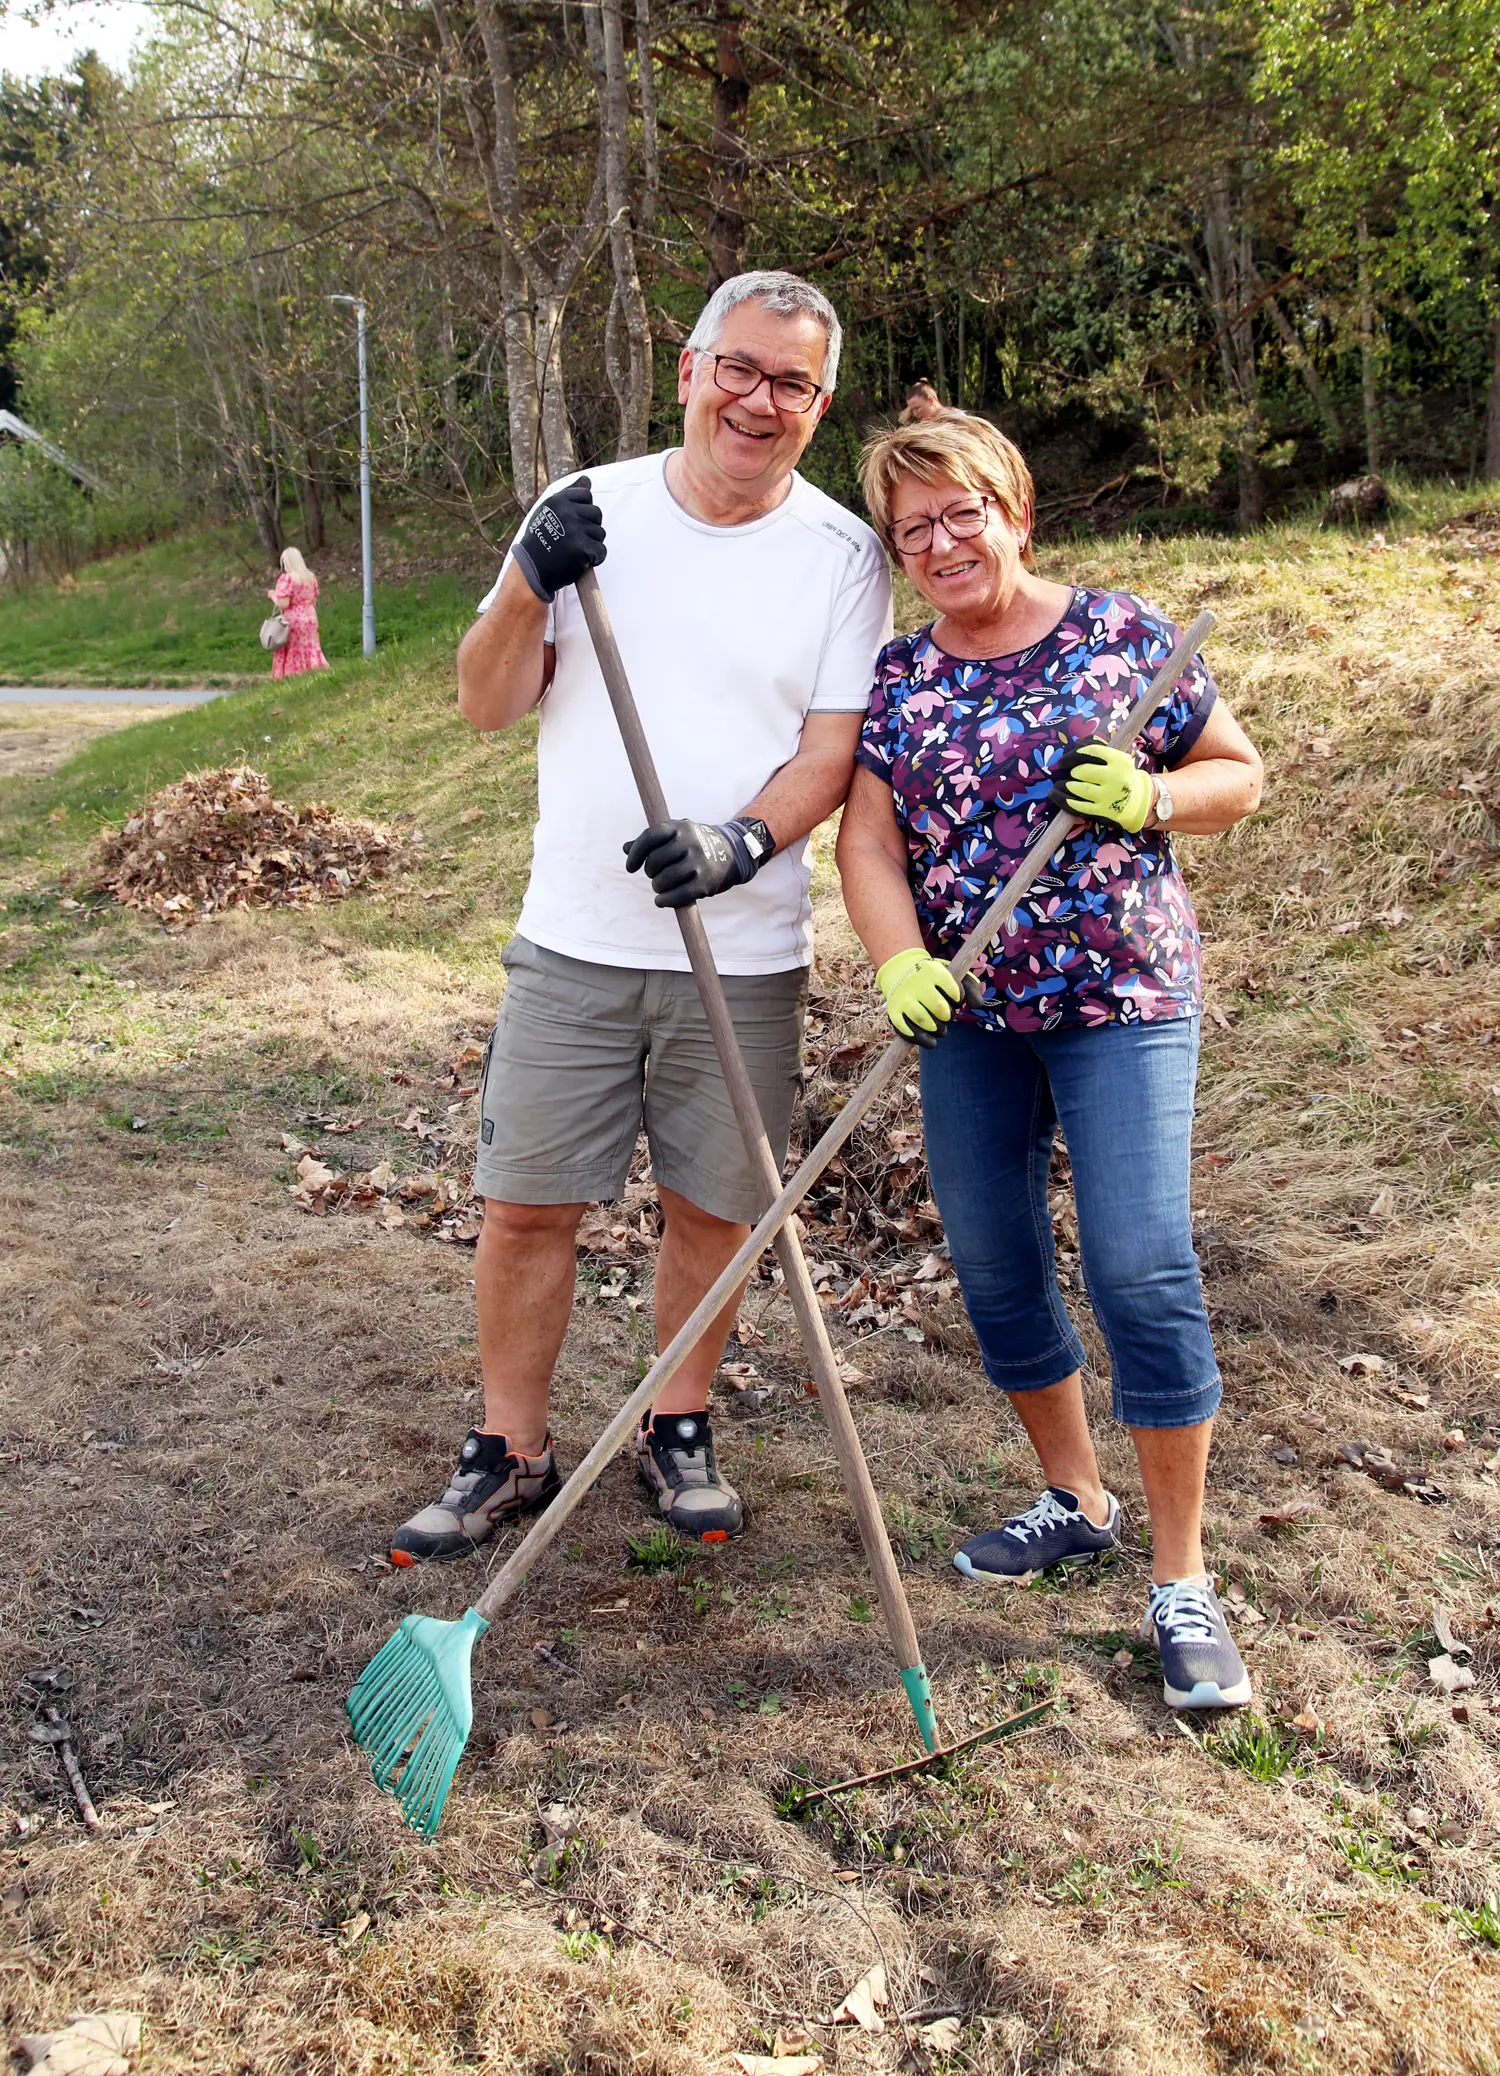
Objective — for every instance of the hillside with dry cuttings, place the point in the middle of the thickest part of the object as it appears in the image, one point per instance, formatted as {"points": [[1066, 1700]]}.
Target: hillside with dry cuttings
{"points": [[219, 1401]]}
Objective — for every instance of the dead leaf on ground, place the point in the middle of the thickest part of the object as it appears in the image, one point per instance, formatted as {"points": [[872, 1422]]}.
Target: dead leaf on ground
{"points": [[1442, 1629], [1283, 1517], [865, 2002], [99, 2044], [943, 2035], [470, 816], [1362, 1364], [780, 2064], [354, 1928], [793, 2040], [311, 1173], [1419, 1401], [1447, 1677]]}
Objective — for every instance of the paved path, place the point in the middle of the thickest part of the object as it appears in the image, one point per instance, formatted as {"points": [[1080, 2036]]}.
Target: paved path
{"points": [[98, 695]]}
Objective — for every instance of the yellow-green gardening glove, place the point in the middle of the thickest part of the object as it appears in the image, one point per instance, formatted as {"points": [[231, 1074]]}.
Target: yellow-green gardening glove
{"points": [[919, 994], [1104, 785]]}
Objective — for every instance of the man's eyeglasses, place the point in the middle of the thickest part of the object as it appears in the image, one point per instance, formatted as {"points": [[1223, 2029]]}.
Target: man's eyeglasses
{"points": [[960, 522], [742, 378]]}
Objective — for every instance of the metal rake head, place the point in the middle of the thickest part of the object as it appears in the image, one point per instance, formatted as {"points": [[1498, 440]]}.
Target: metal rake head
{"points": [[411, 1711]]}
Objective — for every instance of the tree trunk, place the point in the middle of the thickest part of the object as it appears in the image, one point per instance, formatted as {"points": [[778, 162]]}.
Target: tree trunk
{"points": [[1367, 352], [627, 331], [1230, 267], [729, 153], [453, 439], [558, 454], [522, 388], [646, 88], [1492, 413]]}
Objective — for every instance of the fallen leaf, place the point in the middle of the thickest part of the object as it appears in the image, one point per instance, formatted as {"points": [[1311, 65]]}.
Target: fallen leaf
{"points": [[354, 1928], [1419, 1401], [336, 1131], [97, 2045], [932, 1268], [1362, 1364], [1282, 1517], [381, 1177], [1384, 1204], [542, 1719], [1455, 1438], [1442, 1629], [1124, 1660], [290, 1143], [798, 2041], [1309, 1724], [943, 2035], [390, 1218], [852, 1377], [1288, 1458], [1447, 1677], [865, 2002], [470, 816], [311, 1173]]}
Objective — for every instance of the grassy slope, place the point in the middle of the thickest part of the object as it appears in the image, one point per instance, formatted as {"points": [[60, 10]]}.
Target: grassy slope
{"points": [[188, 610], [271, 1392]]}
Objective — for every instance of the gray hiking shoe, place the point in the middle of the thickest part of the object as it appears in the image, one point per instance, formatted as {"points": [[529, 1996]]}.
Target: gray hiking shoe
{"points": [[674, 1462], [1200, 1664], [1054, 1534], [491, 1485]]}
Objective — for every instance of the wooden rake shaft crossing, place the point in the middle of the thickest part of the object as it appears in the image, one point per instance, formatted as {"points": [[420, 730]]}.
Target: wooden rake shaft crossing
{"points": [[799, 1284]]}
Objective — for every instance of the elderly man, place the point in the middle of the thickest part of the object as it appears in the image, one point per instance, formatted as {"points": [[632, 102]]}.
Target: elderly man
{"points": [[749, 609]]}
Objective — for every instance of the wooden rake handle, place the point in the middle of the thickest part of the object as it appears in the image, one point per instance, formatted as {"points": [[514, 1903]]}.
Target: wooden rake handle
{"points": [[809, 1313], [544, 1531]]}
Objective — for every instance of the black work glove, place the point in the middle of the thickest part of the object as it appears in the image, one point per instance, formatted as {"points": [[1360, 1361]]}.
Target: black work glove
{"points": [[687, 861], [563, 537]]}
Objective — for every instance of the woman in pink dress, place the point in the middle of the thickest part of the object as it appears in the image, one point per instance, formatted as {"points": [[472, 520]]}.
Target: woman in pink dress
{"points": [[296, 594]]}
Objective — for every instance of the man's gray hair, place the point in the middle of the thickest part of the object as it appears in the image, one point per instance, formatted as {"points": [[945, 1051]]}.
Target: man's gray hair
{"points": [[783, 295]]}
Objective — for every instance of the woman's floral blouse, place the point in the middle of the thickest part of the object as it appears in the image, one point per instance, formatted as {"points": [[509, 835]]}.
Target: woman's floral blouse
{"points": [[1108, 934]]}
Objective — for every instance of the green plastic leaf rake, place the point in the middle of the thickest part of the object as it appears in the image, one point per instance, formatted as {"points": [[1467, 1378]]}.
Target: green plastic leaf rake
{"points": [[411, 1710]]}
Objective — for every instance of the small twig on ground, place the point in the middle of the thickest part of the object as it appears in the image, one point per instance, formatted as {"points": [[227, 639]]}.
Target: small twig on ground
{"points": [[60, 1735]]}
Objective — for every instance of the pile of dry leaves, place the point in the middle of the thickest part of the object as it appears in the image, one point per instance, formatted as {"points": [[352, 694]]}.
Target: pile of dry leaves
{"points": [[218, 839]]}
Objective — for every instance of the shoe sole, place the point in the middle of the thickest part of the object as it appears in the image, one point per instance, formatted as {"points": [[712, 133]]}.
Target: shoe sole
{"points": [[406, 1560], [1024, 1578], [1207, 1694]]}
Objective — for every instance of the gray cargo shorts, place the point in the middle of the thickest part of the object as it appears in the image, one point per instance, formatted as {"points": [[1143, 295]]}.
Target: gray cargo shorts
{"points": [[583, 1055]]}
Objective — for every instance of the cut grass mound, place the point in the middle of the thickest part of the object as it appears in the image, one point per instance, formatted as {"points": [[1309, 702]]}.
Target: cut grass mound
{"points": [[218, 839]]}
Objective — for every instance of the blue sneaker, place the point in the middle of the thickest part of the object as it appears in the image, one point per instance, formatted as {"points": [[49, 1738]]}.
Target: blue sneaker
{"points": [[1200, 1664], [1056, 1531]]}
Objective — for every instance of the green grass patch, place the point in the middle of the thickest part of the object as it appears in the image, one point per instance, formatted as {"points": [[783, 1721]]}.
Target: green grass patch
{"points": [[188, 610]]}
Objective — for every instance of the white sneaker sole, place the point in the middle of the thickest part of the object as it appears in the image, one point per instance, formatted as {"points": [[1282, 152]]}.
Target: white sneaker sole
{"points": [[1208, 1694], [963, 1564]]}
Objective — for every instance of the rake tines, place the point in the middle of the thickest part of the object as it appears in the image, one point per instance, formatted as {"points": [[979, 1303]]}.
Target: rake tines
{"points": [[411, 1711]]}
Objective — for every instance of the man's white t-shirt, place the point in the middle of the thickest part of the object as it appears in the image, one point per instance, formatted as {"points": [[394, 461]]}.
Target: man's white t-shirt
{"points": [[731, 636]]}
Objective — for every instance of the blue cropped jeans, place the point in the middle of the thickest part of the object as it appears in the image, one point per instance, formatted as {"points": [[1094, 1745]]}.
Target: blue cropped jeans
{"points": [[1123, 1094]]}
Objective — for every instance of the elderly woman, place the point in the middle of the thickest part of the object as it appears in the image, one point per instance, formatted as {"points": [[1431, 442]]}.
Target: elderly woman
{"points": [[1086, 1013]]}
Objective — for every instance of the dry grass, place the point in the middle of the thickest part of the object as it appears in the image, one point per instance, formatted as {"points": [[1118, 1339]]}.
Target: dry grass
{"points": [[216, 1407]]}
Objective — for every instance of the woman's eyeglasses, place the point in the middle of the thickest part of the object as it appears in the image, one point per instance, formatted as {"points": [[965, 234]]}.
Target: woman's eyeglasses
{"points": [[960, 522], [742, 378]]}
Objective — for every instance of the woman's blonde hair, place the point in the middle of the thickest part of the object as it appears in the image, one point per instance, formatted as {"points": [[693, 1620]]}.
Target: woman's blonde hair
{"points": [[294, 566], [958, 449]]}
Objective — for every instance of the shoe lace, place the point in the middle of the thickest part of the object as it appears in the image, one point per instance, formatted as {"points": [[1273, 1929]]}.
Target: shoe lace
{"points": [[1047, 1513], [1185, 1614]]}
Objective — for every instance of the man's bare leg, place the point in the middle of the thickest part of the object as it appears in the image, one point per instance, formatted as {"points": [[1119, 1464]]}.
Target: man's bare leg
{"points": [[695, 1248], [523, 1284]]}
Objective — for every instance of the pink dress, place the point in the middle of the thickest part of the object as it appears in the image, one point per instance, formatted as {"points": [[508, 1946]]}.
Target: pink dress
{"points": [[304, 651]]}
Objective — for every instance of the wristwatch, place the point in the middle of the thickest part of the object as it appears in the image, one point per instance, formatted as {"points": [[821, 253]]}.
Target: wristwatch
{"points": [[1164, 806], [758, 839]]}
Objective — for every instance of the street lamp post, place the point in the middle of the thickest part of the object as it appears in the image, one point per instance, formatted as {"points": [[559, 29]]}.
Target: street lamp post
{"points": [[365, 547]]}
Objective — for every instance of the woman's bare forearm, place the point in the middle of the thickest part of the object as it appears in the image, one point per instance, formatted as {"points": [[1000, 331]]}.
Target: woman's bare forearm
{"points": [[504, 664], [872, 864]]}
